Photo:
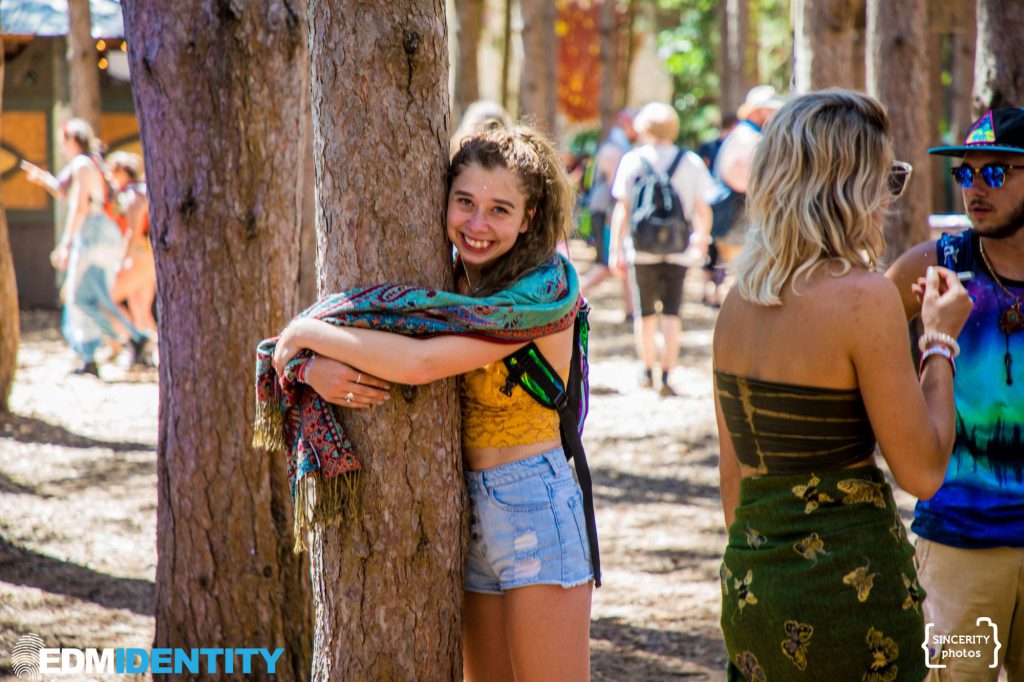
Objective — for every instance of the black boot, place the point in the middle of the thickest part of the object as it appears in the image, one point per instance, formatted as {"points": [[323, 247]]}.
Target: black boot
{"points": [[88, 368]]}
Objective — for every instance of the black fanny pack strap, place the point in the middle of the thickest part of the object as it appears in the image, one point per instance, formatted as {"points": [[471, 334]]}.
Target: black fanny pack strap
{"points": [[528, 361]]}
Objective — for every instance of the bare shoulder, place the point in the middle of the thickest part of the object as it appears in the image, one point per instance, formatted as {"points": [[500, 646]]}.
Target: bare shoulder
{"points": [[913, 263]]}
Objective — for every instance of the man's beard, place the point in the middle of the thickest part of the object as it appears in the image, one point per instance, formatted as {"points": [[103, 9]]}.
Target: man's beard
{"points": [[1010, 227]]}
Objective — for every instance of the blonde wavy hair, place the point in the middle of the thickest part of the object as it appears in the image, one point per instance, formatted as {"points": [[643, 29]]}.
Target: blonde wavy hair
{"points": [[817, 192]]}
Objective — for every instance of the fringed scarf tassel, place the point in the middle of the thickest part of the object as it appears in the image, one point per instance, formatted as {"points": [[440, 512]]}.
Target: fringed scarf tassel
{"points": [[268, 431], [322, 502]]}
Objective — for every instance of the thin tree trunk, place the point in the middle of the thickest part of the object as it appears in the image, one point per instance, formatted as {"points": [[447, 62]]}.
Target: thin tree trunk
{"points": [[82, 60], [627, 64], [538, 87], [824, 36], [9, 324], [506, 55], [999, 61], [961, 88], [608, 50], [467, 46], [733, 68], [898, 76], [387, 580], [214, 87]]}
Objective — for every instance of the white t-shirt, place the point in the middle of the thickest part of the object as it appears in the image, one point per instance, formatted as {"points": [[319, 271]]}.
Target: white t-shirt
{"points": [[691, 180]]}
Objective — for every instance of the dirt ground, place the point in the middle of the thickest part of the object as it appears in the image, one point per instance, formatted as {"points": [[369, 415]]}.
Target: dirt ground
{"points": [[78, 502]]}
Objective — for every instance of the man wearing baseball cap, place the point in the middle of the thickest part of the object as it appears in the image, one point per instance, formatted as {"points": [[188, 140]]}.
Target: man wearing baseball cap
{"points": [[970, 549]]}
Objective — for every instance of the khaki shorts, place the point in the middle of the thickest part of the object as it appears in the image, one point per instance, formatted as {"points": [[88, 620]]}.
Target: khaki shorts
{"points": [[963, 586]]}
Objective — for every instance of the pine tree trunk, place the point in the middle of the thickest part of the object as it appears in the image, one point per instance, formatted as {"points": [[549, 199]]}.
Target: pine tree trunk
{"points": [[506, 53], [608, 49], [824, 44], [733, 71], [82, 60], [387, 581], [999, 61], [538, 88], [214, 86], [898, 71], [467, 45], [9, 324]]}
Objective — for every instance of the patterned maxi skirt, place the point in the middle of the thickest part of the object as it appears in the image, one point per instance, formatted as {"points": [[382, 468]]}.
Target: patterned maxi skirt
{"points": [[818, 582]]}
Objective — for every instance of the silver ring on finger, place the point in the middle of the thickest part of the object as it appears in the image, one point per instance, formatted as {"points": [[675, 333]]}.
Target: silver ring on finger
{"points": [[349, 396], [358, 377]]}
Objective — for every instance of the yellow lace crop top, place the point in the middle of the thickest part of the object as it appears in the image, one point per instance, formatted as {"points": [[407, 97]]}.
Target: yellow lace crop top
{"points": [[491, 419]]}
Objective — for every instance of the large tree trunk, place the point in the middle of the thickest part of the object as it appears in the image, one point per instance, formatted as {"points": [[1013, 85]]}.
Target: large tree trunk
{"points": [[733, 67], [898, 76], [387, 583], [82, 60], [467, 46], [824, 44], [999, 63], [608, 50], [9, 325], [306, 192], [538, 89], [214, 87]]}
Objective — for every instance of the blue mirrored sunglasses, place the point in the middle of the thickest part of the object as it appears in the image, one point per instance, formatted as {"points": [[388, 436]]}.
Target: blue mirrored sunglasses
{"points": [[994, 174]]}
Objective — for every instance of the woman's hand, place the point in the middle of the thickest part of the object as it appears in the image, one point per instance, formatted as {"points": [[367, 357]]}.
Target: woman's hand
{"points": [[59, 256], [346, 386], [288, 344], [945, 304]]}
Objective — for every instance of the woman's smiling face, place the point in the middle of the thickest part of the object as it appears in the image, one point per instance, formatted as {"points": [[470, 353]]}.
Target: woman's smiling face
{"points": [[486, 214]]}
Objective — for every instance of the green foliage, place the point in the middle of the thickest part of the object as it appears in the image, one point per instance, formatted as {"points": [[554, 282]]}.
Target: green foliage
{"points": [[688, 43]]}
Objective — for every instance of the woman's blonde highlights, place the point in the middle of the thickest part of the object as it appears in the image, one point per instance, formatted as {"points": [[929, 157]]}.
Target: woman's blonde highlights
{"points": [[817, 191]]}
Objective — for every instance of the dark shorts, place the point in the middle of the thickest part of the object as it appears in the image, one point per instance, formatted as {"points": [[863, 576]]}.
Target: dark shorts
{"points": [[660, 282]]}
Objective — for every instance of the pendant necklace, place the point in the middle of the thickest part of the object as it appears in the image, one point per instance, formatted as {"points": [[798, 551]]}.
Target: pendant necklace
{"points": [[1010, 320]]}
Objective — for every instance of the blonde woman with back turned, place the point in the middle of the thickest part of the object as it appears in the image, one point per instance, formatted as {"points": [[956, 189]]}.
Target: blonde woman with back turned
{"points": [[812, 367]]}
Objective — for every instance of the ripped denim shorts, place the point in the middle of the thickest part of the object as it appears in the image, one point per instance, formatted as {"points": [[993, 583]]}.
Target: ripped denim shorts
{"points": [[526, 526]]}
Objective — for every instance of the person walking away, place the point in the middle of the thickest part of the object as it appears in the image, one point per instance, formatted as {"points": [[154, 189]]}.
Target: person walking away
{"points": [[658, 276], [812, 367], [89, 249], [970, 547]]}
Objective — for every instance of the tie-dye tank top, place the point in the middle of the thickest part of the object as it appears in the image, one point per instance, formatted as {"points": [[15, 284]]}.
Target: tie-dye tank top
{"points": [[981, 501]]}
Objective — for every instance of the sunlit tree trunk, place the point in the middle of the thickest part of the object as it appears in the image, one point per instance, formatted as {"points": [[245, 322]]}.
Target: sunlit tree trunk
{"points": [[824, 44], [538, 89], [608, 49], [9, 324], [999, 61], [82, 60], [215, 92], [387, 585], [467, 45], [898, 76], [733, 65]]}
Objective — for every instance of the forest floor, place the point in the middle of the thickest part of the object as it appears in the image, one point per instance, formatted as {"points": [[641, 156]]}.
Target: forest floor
{"points": [[78, 502]]}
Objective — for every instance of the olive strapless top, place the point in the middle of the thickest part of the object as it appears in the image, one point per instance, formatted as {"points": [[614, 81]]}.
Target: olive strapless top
{"points": [[781, 428]]}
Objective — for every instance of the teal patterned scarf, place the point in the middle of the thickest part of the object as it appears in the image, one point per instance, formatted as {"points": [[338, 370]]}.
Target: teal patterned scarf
{"points": [[292, 418]]}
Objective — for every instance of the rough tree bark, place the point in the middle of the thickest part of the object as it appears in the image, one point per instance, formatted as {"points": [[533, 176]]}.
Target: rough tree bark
{"points": [[999, 61], [898, 76], [824, 37], [85, 74], [9, 324], [538, 87], [387, 584], [307, 181], [214, 86], [470, 15], [506, 53]]}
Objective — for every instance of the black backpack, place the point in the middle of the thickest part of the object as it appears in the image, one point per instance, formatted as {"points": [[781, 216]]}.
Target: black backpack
{"points": [[529, 369], [656, 218]]}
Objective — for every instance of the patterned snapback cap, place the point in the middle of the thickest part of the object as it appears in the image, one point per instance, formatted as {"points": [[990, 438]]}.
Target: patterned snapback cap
{"points": [[998, 130]]}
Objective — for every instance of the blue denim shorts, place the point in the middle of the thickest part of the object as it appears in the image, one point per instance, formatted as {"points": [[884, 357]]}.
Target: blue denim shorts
{"points": [[526, 526]]}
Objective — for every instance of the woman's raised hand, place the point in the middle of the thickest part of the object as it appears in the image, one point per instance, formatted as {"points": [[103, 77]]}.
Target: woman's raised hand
{"points": [[945, 304], [288, 345], [346, 386]]}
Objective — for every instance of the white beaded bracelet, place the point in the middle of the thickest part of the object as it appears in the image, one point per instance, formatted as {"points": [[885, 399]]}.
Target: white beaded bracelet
{"points": [[937, 349], [306, 368], [931, 338]]}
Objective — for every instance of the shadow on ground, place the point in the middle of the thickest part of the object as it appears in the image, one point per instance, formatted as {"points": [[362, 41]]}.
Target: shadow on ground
{"points": [[630, 652], [31, 430], [19, 566]]}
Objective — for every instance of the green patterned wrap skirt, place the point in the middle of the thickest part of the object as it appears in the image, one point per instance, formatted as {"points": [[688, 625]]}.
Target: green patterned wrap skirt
{"points": [[818, 582]]}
